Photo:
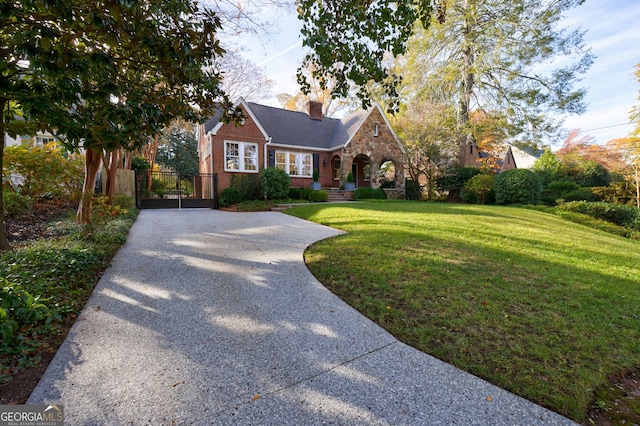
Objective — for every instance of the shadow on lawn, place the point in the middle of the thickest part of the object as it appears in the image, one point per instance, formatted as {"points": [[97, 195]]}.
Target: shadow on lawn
{"points": [[550, 319]]}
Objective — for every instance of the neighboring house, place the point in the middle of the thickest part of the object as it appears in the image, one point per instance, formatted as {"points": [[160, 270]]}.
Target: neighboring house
{"points": [[511, 158], [40, 139], [516, 158], [300, 143]]}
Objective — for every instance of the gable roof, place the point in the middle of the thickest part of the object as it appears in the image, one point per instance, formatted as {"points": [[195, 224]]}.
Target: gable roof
{"points": [[297, 129], [524, 159]]}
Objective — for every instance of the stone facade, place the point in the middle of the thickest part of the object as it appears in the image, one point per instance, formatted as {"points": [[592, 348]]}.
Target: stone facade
{"points": [[376, 141]]}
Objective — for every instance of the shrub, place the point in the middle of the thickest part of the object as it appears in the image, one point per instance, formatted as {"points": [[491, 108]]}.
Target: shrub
{"points": [[140, 164], [590, 173], [620, 215], [413, 190], [275, 183], [453, 180], [369, 193], [478, 189], [229, 196], [616, 192], [295, 193], [319, 196], [46, 171], [305, 193], [248, 185], [566, 191], [15, 204], [517, 186], [18, 309]]}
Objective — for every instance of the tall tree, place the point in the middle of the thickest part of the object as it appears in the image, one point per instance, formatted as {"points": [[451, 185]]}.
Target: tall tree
{"points": [[350, 41], [427, 133], [243, 77], [491, 55], [178, 148], [502, 56], [629, 150], [104, 76], [629, 147], [319, 91]]}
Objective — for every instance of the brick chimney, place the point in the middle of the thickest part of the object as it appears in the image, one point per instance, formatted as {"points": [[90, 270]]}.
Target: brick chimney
{"points": [[315, 110]]}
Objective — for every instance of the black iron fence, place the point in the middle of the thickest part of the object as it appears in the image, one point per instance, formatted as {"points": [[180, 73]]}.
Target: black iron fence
{"points": [[173, 190]]}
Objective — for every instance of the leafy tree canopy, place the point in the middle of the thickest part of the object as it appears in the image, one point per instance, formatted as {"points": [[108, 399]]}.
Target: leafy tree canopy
{"points": [[178, 149], [350, 40]]}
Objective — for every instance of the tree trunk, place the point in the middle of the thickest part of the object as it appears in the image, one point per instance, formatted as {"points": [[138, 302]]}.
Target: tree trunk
{"points": [[4, 243], [127, 160], [468, 81], [92, 165], [637, 187], [149, 152], [111, 167]]}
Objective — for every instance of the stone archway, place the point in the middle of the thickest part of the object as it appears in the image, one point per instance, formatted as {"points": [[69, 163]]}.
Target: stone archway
{"points": [[361, 170]]}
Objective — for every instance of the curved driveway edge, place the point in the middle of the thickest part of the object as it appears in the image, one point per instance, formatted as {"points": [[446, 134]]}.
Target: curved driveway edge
{"points": [[208, 317]]}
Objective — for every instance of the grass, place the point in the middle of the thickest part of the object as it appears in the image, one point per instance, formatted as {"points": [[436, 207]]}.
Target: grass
{"points": [[540, 306], [46, 283]]}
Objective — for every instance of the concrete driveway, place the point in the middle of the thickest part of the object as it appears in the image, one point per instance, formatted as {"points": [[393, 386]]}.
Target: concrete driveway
{"points": [[209, 317]]}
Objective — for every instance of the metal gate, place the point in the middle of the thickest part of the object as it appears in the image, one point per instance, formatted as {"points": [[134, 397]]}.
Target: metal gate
{"points": [[173, 190]]}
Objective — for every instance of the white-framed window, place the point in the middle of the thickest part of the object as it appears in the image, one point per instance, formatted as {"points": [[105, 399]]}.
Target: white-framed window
{"points": [[376, 129], [241, 157], [43, 140], [336, 168], [295, 163]]}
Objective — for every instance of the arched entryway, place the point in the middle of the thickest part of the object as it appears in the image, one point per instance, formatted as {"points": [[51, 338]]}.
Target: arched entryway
{"points": [[387, 175], [361, 171]]}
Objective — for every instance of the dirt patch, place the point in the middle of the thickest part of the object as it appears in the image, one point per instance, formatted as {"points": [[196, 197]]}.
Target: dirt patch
{"points": [[618, 403], [33, 226]]}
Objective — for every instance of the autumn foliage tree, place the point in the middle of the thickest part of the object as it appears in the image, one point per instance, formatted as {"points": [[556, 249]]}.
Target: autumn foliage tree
{"points": [[428, 135]]}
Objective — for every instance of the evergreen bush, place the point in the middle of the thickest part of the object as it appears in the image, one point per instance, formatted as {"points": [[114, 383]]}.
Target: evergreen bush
{"points": [[275, 183], [628, 216], [319, 196], [369, 193], [517, 186], [229, 196]]}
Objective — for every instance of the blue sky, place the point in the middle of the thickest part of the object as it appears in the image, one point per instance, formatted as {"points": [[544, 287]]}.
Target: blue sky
{"points": [[613, 33]]}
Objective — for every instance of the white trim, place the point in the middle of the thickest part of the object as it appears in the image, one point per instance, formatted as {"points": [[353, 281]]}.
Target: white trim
{"points": [[245, 105], [298, 162]]}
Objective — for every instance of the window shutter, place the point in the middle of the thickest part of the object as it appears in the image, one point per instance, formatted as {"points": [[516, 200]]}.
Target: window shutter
{"points": [[271, 161], [316, 162]]}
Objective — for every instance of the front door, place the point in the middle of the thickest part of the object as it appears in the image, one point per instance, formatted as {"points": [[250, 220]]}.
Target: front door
{"points": [[354, 172]]}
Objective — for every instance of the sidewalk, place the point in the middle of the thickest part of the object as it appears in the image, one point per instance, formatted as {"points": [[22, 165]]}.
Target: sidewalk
{"points": [[208, 317]]}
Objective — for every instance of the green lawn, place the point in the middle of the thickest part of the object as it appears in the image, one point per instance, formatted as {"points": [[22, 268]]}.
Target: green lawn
{"points": [[540, 306]]}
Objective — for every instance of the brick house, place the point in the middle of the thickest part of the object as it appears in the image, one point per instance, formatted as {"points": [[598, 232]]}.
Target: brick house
{"points": [[300, 143]]}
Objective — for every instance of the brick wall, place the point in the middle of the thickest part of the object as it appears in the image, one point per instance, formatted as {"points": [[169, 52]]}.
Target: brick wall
{"points": [[246, 132]]}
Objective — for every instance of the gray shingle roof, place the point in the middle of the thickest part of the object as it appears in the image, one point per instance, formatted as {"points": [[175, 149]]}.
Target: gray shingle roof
{"points": [[296, 129], [212, 121]]}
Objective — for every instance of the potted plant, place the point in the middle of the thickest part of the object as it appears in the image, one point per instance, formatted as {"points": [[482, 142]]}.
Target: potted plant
{"points": [[315, 185], [350, 185]]}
